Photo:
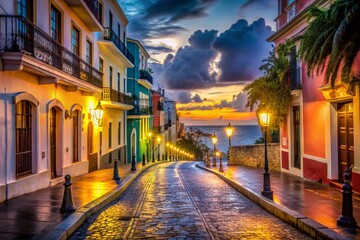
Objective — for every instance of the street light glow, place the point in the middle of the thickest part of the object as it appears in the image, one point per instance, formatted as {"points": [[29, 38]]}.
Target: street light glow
{"points": [[264, 118]]}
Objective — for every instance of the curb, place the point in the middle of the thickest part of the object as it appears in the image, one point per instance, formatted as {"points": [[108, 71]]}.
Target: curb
{"points": [[298, 220], [64, 229]]}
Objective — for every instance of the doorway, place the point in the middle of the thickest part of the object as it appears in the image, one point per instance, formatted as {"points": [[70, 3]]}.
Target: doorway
{"points": [[53, 142], [345, 137]]}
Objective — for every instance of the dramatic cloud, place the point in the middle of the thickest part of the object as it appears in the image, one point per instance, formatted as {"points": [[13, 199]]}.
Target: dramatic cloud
{"points": [[186, 97], [157, 49], [189, 68], [175, 10], [237, 103], [158, 18], [242, 49]]}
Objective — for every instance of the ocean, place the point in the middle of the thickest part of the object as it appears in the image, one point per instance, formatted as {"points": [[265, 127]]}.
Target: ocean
{"points": [[242, 135]]}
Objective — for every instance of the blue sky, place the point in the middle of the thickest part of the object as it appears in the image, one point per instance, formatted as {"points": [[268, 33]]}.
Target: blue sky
{"points": [[204, 51]]}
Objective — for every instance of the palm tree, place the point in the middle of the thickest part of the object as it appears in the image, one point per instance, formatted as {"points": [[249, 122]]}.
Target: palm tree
{"points": [[272, 90], [332, 40]]}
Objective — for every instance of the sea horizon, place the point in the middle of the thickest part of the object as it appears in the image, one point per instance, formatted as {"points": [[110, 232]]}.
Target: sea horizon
{"points": [[243, 135]]}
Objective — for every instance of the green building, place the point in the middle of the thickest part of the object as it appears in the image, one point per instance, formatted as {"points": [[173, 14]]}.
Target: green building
{"points": [[139, 119]]}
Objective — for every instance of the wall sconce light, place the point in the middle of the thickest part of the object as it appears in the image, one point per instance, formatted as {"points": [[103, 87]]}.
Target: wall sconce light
{"points": [[67, 114], [98, 112]]}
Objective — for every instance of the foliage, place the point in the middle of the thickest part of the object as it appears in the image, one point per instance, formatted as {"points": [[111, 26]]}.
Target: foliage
{"points": [[271, 91], [274, 137], [193, 142], [332, 39]]}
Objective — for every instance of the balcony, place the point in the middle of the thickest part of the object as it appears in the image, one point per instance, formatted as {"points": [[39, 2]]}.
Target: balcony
{"points": [[21, 42], [113, 46], [145, 78], [89, 11], [141, 107], [114, 99]]}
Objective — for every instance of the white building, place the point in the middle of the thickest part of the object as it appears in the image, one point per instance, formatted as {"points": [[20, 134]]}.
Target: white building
{"points": [[52, 58]]}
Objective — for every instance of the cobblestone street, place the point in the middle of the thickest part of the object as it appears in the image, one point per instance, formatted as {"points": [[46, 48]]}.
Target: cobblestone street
{"points": [[180, 201]]}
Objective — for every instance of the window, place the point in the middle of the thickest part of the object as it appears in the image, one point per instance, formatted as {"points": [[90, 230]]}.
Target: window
{"points": [[124, 36], [291, 13], [101, 65], [110, 76], [89, 53], [100, 13], [23, 138], [110, 134], [118, 30], [110, 20], [25, 9], [76, 129], [118, 82], [119, 133], [75, 41], [55, 24]]}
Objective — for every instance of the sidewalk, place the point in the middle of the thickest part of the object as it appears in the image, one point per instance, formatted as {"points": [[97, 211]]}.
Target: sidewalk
{"points": [[35, 214], [316, 201]]}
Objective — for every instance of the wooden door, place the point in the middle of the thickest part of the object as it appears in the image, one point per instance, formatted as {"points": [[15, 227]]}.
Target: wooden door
{"points": [[346, 137]]}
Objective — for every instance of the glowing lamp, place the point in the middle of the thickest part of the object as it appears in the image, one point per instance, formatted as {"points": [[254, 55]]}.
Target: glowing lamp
{"points": [[99, 111], [229, 130], [214, 139], [264, 118]]}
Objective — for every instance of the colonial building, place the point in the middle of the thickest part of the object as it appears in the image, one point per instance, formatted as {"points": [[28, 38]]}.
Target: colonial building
{"points": [[321, 134], [159, 132], [61, 61], [139, 119]]}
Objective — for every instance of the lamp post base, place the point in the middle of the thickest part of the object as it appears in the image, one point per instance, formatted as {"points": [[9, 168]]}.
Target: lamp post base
{"points": [[346, 221], [267, 194], [266, 191]]}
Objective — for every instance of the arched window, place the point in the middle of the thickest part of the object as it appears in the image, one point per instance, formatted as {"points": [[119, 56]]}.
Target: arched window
{"points": [[23, 138]]}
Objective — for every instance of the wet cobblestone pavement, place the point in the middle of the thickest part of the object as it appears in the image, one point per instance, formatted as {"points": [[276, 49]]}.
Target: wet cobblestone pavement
{"points": [[180, 201]]}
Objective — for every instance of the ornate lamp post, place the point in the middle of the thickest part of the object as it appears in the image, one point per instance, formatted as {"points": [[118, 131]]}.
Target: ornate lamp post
{"points": [[147, 146], [221, 166], [166, 151], [214, 141], [264, 118], [158, 139], [229, 132]]}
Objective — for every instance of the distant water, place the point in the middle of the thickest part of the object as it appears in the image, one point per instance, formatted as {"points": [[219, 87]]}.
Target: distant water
{"points": [[242, 135]]}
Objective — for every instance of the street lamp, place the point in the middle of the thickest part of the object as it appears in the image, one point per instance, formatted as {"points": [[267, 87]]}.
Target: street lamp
{"points": [[98, 112], [214, 141], [171, 153], [147, 146], [229, 132], [264, 118], [166, 152], [158, 139], [221, 166]]}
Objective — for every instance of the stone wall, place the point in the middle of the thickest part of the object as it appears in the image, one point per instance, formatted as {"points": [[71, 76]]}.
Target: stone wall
{"points": [[253, 156]]}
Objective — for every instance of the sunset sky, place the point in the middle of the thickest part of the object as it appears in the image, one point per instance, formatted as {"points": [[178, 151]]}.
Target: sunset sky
{"points": [[204, 52]]}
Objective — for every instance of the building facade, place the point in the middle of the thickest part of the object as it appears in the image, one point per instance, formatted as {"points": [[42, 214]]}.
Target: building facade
{"points": [[321, 134], [139, 119], [60, 59]]}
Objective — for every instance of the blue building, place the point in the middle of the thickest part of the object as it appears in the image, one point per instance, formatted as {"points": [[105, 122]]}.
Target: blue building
{"points": [[139, 119]]}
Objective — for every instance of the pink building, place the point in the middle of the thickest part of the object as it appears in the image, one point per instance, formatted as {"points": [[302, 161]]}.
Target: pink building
{"points": [[321, 133]]}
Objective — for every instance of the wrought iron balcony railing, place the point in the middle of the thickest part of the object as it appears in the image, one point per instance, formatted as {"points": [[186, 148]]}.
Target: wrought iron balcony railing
{"points": [[110, 35], [141, 107], [94, 7], [115, 96], [17, 34], [144, 74]]}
